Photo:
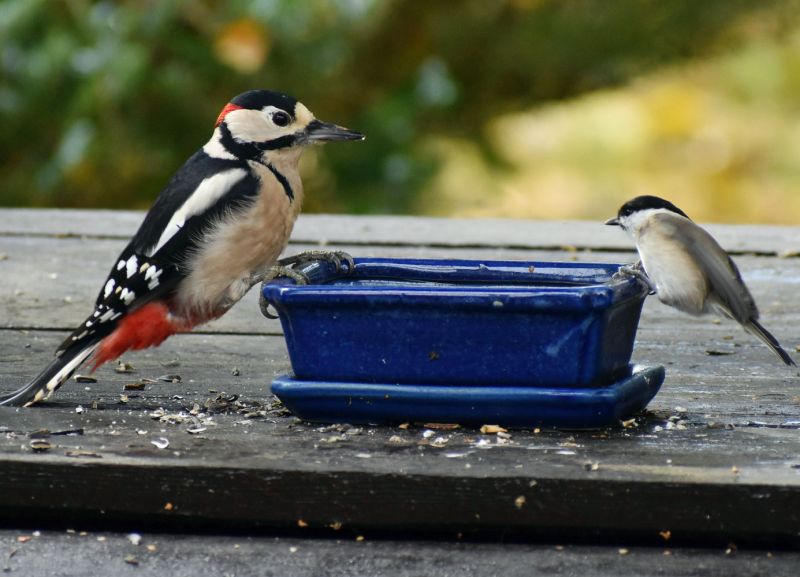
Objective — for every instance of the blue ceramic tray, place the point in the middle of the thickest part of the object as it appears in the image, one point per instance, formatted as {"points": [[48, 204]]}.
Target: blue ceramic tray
{"points": [[574, 408], [448, 322]]}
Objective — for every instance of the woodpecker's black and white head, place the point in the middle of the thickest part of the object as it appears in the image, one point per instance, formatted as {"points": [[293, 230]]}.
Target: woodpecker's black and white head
{"points": [[636, 212], [262, 122]]}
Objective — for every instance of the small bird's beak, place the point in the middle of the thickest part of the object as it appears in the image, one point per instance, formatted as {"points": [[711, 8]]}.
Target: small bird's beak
{"points": [[318, 131], [613, 222]]}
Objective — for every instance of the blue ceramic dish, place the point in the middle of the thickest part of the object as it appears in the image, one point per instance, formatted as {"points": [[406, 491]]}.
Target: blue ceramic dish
{"points": [[460, 322], [376, 404]]}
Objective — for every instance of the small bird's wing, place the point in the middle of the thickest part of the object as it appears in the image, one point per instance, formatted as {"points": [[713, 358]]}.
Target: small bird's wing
{"points": [[727, 289], [154, 262]]}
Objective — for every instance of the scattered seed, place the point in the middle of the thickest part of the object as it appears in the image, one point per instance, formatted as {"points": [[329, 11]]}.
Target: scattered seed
{"points": [[24, 538], [235, 371], [665, 534], [170, 378], [336, 525], [131, 560], [171, 363], [85, 379], [196, 429], [492, 429], [82, 453], [152, 548], [124, 367], [519, 502], [168, 506], [160, 443], [302, 524], [624, 551], [403, 426], [442, 426], [135, 538], [40, 445], [137, 386], [360, 538]]}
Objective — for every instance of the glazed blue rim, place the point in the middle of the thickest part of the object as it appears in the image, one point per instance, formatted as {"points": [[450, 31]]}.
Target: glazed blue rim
{"points": [[528, 285]]}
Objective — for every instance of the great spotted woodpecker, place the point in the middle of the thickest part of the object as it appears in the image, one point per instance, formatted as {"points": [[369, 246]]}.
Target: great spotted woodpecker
{"points": [[222, 220]]}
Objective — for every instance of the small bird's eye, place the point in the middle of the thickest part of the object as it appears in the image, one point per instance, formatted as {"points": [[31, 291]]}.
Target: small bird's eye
{"points": [[281, 118]]}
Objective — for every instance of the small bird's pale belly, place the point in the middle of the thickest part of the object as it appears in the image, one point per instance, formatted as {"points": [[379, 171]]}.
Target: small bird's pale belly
{"points": [[679, 282]]}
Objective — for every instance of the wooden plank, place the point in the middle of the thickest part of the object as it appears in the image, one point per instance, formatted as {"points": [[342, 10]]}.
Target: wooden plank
{"points": [[158, 554], [321, 229], [646, 480]]}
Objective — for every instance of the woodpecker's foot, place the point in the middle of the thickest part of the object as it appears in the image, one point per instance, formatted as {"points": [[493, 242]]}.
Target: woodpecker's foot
{"points": [[274, 272], [336, 257], [637, 270]]}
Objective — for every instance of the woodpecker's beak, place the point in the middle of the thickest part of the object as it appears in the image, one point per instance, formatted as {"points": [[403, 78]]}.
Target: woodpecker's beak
{"points": [[318, 131], [613, 222]]}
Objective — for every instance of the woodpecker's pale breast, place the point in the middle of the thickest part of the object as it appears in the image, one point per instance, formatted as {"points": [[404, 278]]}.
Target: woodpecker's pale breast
{"points": [[245, 240]]}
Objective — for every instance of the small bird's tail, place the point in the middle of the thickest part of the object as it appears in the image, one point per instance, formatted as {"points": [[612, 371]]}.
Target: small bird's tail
{"points": [[53, 376], [754, 327]]}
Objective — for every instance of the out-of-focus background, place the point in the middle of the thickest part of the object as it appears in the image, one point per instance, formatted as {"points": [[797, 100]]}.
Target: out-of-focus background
{"points": [[515, 108]]}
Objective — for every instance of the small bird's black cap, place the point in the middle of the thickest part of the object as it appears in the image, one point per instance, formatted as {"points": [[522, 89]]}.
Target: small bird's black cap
{"points": [[646, 202]]}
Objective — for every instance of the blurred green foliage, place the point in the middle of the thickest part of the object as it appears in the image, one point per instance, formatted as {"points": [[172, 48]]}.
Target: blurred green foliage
{"points": [[101, 101]]}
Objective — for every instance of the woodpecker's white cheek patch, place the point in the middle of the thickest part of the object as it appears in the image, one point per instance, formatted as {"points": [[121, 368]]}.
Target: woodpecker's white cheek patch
{"points": [[256, 125], [208, 192]]}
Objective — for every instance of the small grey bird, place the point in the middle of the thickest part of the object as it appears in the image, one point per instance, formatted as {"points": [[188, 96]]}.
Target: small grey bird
{"points": [[687, 268]]}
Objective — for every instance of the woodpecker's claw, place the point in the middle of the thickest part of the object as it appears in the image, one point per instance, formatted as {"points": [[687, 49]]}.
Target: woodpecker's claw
{"points": [[273, 273], [637, 270], [265, 305], [336, 257]]}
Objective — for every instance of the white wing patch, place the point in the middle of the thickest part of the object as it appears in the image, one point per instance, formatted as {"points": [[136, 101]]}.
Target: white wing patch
{"points": [[205, 195], [131, 265]]}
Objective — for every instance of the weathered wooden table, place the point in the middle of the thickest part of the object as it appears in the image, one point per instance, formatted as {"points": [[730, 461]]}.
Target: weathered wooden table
{"points": [[224, 485]]}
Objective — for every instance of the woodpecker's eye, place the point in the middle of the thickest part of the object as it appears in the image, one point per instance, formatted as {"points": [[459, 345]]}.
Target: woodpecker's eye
{"points": [[281, 118]]}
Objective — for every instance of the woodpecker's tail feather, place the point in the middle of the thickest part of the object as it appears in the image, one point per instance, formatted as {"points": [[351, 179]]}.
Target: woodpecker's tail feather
{"points": [[755, 327], [53, 376]]}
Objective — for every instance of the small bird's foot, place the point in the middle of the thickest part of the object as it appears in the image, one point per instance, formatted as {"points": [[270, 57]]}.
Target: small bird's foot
{"points": [[336, 257], [637, 270]]}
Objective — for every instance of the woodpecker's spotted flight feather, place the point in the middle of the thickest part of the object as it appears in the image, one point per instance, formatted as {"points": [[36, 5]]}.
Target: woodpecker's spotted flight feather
{"points": [[224, 218], [688, 268]]}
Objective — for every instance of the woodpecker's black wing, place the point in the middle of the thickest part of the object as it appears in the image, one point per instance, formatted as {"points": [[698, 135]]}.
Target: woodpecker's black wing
{"points": [[154, 262]]}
